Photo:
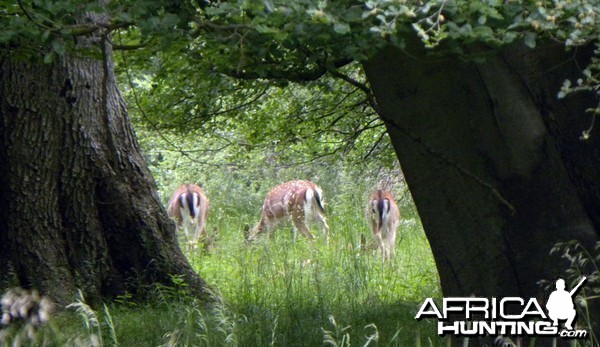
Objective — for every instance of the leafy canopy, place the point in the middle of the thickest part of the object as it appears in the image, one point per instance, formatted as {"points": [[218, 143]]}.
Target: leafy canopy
{"points": [[269, 43], [296, 40]]}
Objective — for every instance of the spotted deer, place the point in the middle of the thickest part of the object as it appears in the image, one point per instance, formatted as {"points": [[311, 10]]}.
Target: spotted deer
{"points": [[188, 206], [384, 217], [300, 201]]}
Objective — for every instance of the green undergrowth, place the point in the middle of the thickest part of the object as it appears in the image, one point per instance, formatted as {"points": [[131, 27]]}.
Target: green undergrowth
{"points": [[275, 292], [298, 293]]}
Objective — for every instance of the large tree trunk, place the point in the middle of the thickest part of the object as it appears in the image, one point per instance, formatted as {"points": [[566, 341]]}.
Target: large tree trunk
{"points": [[78, 206], [493, 161]]}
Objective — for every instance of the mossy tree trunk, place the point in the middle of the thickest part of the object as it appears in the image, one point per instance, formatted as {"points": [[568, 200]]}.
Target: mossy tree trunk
{"points": [[78, 206]]}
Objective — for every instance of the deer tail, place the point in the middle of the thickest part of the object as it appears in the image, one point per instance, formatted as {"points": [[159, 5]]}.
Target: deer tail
{"points": [[319, 199]]}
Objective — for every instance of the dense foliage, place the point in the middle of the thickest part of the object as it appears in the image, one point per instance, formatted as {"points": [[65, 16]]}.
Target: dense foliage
{"points": [[272, 90], [195, 45], [296, 40]]}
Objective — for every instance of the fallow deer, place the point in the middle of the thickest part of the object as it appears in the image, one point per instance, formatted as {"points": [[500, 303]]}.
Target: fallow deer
{"points": [[384, 217], [300, 201], [188, 206]]}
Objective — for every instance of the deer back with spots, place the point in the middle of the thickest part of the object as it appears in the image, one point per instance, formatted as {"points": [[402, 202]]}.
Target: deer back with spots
{"points": [[299, 201]]}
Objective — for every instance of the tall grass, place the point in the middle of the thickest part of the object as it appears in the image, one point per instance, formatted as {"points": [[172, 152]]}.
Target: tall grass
{"points": [[284, 292], [291, 293], [271, 293], [276, 292]]}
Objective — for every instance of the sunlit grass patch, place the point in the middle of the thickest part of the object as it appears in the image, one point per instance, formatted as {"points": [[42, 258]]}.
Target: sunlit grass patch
{"points": [[288, 291]]}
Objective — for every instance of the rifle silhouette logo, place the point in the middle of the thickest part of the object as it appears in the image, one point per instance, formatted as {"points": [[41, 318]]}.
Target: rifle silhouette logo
{"points": [[560, 304]]}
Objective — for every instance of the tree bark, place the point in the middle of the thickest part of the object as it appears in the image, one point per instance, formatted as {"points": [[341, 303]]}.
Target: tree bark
{"points": [[493, 161], [78, 206]]}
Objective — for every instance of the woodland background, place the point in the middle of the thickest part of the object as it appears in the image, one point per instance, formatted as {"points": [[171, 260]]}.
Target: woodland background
{"points": [[483, 110]]}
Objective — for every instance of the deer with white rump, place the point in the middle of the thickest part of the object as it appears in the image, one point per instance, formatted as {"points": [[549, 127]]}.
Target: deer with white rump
{"points": [[385, 217], [300, 201], [188, 206]]}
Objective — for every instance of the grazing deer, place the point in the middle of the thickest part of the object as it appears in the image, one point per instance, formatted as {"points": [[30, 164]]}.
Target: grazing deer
{"points": [[301, 201], [385, 217], [188, 206]]}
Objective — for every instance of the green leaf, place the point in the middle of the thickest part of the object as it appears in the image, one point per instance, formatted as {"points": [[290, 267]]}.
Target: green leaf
{"points": [[58, 47], [265, 29], [49, 58], [45, 35], [341, 28], [529, 39]]}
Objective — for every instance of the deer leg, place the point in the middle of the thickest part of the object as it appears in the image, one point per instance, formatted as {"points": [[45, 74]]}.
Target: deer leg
{"points": [[196, 234], [270, 228], [391, 242], [271, 233], [202, 221], [199, 229], [294, 232], [299, 219], [379, 239], [185, 227], [303, 228], [323, 222]]}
